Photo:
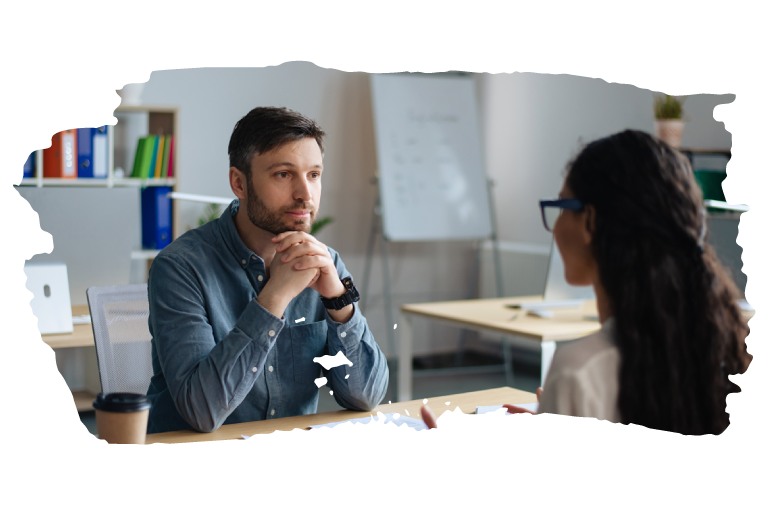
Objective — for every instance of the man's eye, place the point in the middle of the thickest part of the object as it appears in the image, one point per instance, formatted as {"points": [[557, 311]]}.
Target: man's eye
{"points": [[315, 175], [282, 175]]}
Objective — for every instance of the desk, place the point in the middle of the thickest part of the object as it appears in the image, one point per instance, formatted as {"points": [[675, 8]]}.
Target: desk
{"points": [[81, 336], [492, 315], [467, 402]]}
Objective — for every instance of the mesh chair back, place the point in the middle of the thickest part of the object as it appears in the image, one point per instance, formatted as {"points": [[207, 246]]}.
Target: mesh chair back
{"points": [[119, 316]]}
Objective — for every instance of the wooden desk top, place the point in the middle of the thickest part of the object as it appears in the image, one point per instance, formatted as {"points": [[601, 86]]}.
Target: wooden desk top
{"points": [[82, 336], [492, 314], [467, 402]]}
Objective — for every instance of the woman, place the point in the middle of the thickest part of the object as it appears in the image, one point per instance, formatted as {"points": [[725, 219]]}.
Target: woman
{"points": [[630, 222]]}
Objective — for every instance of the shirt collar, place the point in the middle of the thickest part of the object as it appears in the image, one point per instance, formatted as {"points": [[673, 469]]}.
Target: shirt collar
{"points": [[240, 251]]}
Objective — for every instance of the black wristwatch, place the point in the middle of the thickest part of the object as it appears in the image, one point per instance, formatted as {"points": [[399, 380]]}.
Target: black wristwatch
{"points": [[346, 299]]}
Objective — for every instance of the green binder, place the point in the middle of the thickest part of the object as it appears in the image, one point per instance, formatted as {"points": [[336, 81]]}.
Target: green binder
{"points": [[146, 155], [136, 172]]}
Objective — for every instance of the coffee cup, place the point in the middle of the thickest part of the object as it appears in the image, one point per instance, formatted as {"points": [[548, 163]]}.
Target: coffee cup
{"points": [[121, 418]]}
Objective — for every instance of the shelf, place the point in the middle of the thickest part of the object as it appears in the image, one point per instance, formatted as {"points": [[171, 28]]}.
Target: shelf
{"points": [[83, 400], [144, 254], [98, 183], [148, 108]]}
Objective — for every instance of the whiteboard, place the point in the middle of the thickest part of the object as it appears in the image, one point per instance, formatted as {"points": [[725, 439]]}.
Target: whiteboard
{"points": [[432, 181]]}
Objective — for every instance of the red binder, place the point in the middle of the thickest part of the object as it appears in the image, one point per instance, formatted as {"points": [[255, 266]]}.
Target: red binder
{"points": [[60, 160]]}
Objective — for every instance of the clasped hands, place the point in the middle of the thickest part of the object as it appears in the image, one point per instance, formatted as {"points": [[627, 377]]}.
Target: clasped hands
{"points": [[429, 417], [302, 252]]}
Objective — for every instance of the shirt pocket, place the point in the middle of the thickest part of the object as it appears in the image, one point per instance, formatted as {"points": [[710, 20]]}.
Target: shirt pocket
{"points": [[308, 341]]}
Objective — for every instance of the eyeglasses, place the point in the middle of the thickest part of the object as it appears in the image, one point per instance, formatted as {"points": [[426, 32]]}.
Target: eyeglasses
{"points": [[551, 210]]}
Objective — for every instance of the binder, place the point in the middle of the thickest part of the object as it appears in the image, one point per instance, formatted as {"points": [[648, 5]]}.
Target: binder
{"points": [[153, 155], [159, 157], [136, 172], [92, 155], [60, 160], [166, 156], [143, 160], [170, 158], [155, 217], [30, 165]]}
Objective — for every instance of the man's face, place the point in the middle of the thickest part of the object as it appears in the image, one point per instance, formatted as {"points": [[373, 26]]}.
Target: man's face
{"points": [[287, 181]]}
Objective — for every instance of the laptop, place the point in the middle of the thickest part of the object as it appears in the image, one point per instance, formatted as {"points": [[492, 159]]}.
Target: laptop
{"points": [[49, 285]]}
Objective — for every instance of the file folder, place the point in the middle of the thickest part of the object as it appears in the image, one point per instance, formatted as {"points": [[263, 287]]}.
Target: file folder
{"points": [[60, 160], [166, 156], [155, 142], [170, 158], [30, 165], [92, 155], [155, 217]]}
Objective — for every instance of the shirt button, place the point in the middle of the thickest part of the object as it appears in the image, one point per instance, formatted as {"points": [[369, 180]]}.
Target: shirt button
{"points": [[254, 369], [243, 262], [253, 257], [260, 277], [272, 413], [271, 333], [270, 369], [343, 334]]}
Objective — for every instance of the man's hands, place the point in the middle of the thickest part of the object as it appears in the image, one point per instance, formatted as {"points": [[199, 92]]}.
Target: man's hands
{"points": [[429, 417], [310, 253], [302, 261]]}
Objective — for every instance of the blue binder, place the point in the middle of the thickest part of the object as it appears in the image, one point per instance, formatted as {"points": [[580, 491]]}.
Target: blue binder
{"points": [[92, 152], [155, 217], [30, 165]]}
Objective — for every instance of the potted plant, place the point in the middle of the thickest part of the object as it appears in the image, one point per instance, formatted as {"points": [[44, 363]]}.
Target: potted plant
{"points": [[669, 123]]}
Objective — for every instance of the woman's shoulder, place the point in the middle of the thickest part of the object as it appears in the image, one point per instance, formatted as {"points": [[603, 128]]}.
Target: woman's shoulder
{"points": [[588, 351]]}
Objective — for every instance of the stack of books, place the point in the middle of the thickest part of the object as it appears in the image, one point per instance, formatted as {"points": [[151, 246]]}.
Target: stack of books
{"points": [[154, 157], [75, 153]]}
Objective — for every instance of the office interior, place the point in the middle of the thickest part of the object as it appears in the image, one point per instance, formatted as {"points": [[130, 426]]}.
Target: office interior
{"points": [[530, 126]]}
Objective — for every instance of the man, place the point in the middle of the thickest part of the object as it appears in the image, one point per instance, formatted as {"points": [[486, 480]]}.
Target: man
{"points": [[240, 307]]}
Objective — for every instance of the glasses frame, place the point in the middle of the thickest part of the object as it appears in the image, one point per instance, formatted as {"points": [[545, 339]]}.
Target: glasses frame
{"points": [[573, 204]]}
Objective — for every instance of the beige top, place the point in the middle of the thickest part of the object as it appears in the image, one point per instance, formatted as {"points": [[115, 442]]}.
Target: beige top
{"points": [[583, 379]]}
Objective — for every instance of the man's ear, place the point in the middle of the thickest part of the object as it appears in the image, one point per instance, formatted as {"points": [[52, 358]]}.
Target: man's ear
{"points": [[238, 183]]}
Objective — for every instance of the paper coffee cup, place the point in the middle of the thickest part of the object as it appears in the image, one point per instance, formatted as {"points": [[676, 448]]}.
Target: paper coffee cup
{"points": [[121, 418]]}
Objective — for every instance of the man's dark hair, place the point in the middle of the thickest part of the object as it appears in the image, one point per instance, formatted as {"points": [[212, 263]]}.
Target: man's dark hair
{"points": [[267, 128]]}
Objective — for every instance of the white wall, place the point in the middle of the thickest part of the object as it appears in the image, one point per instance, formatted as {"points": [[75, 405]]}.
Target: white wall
{"points": [[532, 124]]}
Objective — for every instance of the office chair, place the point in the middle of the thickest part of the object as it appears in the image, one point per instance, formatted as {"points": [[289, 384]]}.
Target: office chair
{"points": [[119, 317]]}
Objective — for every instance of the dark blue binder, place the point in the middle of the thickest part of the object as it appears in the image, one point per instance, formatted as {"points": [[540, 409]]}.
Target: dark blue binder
{"points": [[155, 217], [29, 166], [92, 154]]}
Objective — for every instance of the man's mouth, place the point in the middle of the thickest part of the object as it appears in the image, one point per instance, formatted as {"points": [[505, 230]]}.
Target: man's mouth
{"points": [[299, 214]]}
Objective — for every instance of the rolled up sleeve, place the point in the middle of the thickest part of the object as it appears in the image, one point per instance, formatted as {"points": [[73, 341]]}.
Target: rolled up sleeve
{"points": [[206, 380], [369, 374]]}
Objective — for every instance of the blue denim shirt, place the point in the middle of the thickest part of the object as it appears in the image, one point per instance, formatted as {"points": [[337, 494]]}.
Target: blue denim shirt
{"points": [[219, 357]]}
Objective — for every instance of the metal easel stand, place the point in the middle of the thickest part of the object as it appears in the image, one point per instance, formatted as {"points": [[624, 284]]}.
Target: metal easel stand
{"points": [[475, 288], [377, 230]]}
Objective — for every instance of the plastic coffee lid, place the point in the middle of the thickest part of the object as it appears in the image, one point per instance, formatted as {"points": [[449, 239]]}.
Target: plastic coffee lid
{"points": [[121, 402]]}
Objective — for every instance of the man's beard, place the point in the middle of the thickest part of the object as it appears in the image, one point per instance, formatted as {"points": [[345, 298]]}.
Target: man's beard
{"points": [[274, 221]]}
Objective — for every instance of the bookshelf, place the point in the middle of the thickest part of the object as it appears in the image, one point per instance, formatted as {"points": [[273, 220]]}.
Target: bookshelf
{"points": [[133, 122], [160, 120]]}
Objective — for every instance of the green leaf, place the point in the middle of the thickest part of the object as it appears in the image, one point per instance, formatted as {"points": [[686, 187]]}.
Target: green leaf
{"points": [[211, 213], [668, 107], [319, 224]]}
